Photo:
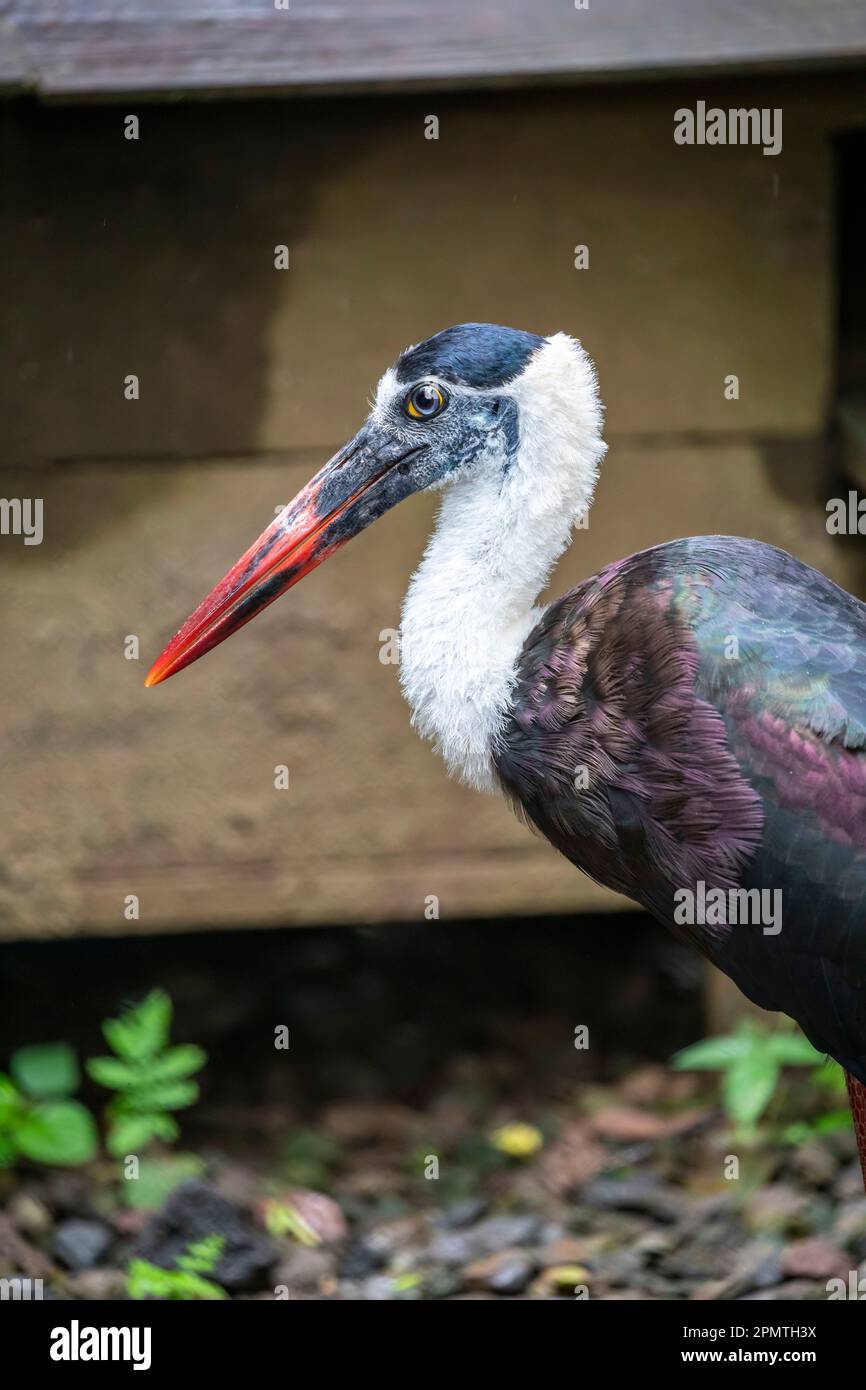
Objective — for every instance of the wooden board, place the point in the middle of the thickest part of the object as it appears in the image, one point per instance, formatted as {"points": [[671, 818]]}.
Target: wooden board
{"points": [[85, 48]]}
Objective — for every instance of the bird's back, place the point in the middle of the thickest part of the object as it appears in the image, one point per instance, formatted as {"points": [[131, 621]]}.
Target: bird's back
{"points": [[689, 727]]}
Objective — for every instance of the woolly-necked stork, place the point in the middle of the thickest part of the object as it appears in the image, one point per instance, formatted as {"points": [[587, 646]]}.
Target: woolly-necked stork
{"points": [[687, 725]]}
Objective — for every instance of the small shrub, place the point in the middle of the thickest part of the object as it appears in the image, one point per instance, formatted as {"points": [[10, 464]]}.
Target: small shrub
{"points": [[187, 1281], [150, 1077], [751, 1060]]}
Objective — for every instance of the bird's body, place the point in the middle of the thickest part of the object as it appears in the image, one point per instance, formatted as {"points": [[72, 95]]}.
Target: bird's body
{"points": [[688, 726]]}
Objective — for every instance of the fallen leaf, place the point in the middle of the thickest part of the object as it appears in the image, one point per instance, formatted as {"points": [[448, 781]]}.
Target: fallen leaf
{"points": [[627, 1124]]}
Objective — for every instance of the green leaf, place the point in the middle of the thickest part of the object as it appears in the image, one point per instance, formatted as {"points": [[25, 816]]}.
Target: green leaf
{"points": [[130, 1133], [831, 1076], [166, 1127], [748, 1085], [712, 1054], [402, 1283], [59, 1132], [111, 1072], [142, 1031], [173, 1095], [202, 1256], [794, 1050], [282, 1219], [47, 1070], [11, 1100], [152, 1019], [8, 1152], [157, 1179], [144, 1280], [797, 1133], [833, 1122], [176, 1063], [122, 1039]]}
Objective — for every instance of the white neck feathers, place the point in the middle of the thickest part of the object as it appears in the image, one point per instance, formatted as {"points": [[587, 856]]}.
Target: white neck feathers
{"points": [[469, 607]]}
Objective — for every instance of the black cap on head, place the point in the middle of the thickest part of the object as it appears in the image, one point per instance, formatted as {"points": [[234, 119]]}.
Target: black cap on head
{"points": [[476, 354]]}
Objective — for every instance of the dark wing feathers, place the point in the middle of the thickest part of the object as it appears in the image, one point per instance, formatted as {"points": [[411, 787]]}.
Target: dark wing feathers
{"points": [[713, 691]]}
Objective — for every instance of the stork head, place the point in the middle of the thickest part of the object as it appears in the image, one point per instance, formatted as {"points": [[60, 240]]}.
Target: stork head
{"points": [[478, 403]]}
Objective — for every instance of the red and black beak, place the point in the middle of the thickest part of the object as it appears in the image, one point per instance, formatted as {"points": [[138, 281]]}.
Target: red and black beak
{"points": [[366, 478]]}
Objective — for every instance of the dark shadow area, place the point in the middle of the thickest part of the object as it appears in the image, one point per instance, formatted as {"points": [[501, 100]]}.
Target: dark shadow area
{"points": [[848, 460], [374, 1012], [155, 257], [851, 223]]}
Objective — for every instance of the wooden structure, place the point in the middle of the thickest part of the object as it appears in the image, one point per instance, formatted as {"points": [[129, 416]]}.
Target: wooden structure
{"points": [[65, 48], [154, 257]]}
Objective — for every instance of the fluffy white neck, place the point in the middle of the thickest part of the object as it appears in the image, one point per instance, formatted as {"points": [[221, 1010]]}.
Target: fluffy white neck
{"points": [[469, 607]]}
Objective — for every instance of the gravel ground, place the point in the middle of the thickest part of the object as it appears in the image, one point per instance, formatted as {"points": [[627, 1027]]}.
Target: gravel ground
{"points": [[614, 1192]]}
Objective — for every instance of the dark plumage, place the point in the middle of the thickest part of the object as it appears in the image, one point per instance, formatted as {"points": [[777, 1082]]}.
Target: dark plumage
{"points": [[714, 691]]}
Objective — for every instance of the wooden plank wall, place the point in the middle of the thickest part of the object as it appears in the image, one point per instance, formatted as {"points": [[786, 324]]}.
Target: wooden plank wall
{"points": [[156, 257]]}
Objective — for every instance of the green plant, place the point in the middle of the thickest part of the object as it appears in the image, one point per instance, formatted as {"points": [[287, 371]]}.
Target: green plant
{"points": [[407, 1283], [38, 1118], [282, 1219], [831, 1123], [202, 1256], [751, 1059], [150, 1078], [187, 1281], [158, 1177]]}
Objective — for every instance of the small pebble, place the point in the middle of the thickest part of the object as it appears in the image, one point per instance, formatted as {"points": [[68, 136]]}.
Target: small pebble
{"points": [[360, 1260], [642, 1194], [451, 1248], [849, 1228], [98, 1284], [499, 1232], [80, 1244], [304, 1269], [465, 1212], [505, 1272], [814, 1259], [29, 1215]]}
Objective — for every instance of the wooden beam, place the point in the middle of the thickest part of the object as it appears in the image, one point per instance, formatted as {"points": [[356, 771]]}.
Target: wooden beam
{"points": [[78, 48]]}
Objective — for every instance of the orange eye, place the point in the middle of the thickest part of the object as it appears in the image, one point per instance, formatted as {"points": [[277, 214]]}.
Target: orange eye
{"points": [[425, 401]]}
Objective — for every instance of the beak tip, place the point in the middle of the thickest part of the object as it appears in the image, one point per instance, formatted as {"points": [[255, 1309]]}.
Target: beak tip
{"points": [[154, 676]]}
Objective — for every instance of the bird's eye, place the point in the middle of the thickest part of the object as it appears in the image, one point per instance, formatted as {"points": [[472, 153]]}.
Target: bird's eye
{"points": [[425, 401]]}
